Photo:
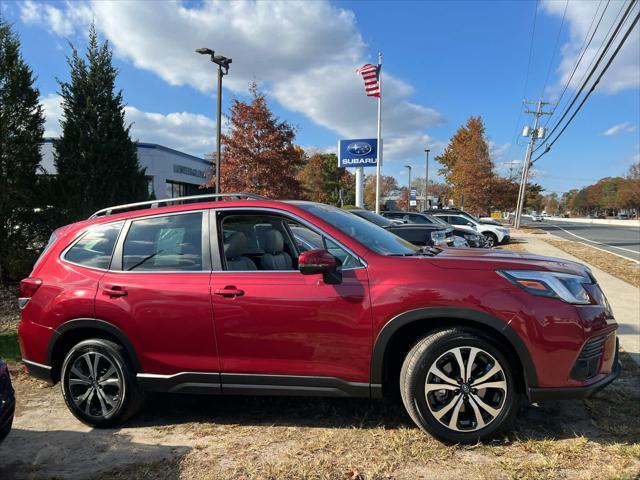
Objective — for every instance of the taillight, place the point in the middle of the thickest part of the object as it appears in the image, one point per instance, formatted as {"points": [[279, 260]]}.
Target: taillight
{"points": [[28, 287]]}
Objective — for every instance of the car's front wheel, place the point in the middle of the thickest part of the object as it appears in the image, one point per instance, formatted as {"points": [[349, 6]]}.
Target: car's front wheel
{"points": [[490, 240], [98, 384], [457, 386]]}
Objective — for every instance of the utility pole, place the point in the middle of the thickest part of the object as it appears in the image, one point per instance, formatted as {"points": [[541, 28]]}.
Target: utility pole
{"points": [[409, 192], [534, 133], [426, 180]]}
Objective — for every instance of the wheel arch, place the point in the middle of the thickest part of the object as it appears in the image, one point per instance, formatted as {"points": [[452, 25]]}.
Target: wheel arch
{"points": [[406, 328], [74, 331]]}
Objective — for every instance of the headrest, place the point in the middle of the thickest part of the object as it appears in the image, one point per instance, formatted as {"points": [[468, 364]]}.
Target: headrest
{"points": [[236, 245], [273, 242]]}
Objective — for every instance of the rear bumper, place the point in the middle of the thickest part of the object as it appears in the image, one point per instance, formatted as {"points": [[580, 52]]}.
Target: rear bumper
{"points": [[536, 394], [37, 370]]}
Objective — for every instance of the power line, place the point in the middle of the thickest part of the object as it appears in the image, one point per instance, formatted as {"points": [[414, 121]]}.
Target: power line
{"points": [[584, 48], [592, 71], [555, 48], [593, 87], [515, 137]]}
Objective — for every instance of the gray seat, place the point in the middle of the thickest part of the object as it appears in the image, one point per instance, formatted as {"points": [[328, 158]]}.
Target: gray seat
{"points": [[234, 250], [275, 258]]}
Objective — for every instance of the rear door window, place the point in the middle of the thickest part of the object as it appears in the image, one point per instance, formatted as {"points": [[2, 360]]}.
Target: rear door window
{"points": [[164, 243], [95, 247]]}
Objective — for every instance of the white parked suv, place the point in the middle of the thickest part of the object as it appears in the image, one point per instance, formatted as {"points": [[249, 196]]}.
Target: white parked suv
{"points": [[494, 234]]}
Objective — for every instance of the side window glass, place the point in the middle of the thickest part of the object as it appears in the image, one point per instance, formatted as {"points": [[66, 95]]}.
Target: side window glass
{"points": [[95, 248], [307, 239], [172, 243], [257, 242]]}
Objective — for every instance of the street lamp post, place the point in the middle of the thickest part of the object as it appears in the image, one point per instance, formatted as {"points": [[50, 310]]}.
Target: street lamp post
{"points": [[409, 193], [426, 180], [223, 69]]}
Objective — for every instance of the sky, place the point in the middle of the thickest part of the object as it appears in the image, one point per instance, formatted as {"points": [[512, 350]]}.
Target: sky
{"points": [[443, 61]]}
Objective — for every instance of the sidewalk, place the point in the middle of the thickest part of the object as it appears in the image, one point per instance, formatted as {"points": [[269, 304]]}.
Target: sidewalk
{"points": [[623, 297]]}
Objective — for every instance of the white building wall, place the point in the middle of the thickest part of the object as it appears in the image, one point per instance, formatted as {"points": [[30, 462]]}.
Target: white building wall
{"points": [[161, 164]]}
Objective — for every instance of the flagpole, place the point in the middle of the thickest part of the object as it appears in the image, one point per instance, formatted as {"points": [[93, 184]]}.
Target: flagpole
{"points": [[379, 159]]}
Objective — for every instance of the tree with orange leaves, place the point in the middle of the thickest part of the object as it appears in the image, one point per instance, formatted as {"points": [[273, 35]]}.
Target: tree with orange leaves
{"points": [[258, 154]]}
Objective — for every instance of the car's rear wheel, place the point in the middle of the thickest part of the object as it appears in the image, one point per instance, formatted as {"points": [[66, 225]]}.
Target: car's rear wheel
{"points": [[98, 384], [456, 385]]}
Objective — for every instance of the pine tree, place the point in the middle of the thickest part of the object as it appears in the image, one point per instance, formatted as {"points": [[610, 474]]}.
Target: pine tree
{"points": [[95, 158], [468, 168], [21, 131], [259, 155]]}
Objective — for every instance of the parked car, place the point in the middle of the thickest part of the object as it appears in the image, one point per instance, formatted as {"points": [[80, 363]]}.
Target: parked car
{"points": [[216, 297], [536, 218], [485, 220], [469, 234], [623, 216], [420, 235], [7, 401], [493, 234]]}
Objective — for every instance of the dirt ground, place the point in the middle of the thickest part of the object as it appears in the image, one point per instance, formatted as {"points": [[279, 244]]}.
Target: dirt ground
{"points": [[199, 437]]}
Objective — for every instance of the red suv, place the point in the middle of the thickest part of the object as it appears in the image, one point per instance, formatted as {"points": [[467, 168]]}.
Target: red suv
{"points": [[262, 297]]}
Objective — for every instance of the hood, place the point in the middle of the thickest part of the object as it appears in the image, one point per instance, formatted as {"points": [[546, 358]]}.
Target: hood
{"points": [[477, 259]]}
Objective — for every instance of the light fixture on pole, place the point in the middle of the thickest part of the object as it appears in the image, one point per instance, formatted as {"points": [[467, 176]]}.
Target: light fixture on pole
{"points": [[409, 192], [223, 69], [426, 180]]}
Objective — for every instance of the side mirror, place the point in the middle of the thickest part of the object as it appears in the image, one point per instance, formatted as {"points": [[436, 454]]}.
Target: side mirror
{"points": [[313, 262]]}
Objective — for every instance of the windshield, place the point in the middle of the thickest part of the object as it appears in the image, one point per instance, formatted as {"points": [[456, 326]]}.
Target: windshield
{"points": [[437, 221], [373, 218], [371, 236]]}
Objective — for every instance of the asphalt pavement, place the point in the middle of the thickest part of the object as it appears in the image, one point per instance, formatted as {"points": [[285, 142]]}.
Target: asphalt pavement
{"points": [[621, 240]]}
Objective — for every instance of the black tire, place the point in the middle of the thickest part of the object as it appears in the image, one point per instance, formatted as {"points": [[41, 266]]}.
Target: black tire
{"points": [[491, 240], [438, 350], [116, 395]]}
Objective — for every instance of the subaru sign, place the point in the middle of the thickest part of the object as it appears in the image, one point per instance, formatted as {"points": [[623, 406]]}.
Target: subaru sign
{"points": [[358, 152]]}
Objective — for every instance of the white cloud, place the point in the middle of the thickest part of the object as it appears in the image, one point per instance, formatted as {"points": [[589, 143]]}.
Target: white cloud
{"points": [[187, 132], [53, 113], [497, 151], [624, 72], [303, 53], [63, 22], [625, 127]]}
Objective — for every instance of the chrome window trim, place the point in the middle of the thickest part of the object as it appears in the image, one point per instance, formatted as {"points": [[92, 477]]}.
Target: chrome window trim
{"points": [[292, 216], [118, 250]]}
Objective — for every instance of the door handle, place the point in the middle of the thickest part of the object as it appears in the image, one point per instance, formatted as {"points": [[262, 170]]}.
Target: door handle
{"points": [[229, 291], [114, 291]]}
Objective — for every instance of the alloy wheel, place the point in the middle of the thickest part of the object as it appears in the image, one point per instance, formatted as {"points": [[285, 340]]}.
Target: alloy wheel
{"points": [[490, 241], [95, 384], [465, 389]]}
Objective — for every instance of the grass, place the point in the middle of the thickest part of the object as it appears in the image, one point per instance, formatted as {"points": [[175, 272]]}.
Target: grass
{"points": [[9, 349], [619, 267]]}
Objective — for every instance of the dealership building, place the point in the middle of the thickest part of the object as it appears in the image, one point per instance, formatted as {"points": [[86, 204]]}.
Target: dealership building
{"points": [[170, 173]]}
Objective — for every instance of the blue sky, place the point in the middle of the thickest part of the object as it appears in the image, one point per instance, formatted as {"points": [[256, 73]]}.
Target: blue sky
{"points": [[443, 61]]}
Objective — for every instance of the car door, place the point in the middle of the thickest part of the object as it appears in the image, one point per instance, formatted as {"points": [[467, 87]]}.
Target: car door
{"points": [[279, 330], [157, 292]]}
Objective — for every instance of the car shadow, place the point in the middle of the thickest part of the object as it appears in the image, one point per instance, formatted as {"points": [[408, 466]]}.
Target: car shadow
{"points": [[549, 420], [31, 454]]}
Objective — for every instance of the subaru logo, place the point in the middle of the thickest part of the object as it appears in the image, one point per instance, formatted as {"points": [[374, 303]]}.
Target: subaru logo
{"points": [[359, 148]]}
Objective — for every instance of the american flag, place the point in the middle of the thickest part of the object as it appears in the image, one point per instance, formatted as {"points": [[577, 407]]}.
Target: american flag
{"points": [[370, 76]]}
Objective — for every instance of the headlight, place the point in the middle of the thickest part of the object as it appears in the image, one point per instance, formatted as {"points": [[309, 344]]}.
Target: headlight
{"points": [[438, 237], [565, 286]]}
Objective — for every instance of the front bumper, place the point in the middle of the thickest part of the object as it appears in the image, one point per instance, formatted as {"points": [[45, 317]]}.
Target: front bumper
{"points": [[536, 394]]}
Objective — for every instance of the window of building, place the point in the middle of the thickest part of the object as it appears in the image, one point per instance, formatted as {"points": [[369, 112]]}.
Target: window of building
{"points": [[172, 242], [182, 189], [95, 248]]}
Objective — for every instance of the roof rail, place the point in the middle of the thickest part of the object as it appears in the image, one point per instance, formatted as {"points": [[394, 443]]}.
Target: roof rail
{"points": [[168, 201]]}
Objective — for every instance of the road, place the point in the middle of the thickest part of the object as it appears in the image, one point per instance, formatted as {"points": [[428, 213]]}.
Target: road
{"points": [[623, 241]]}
